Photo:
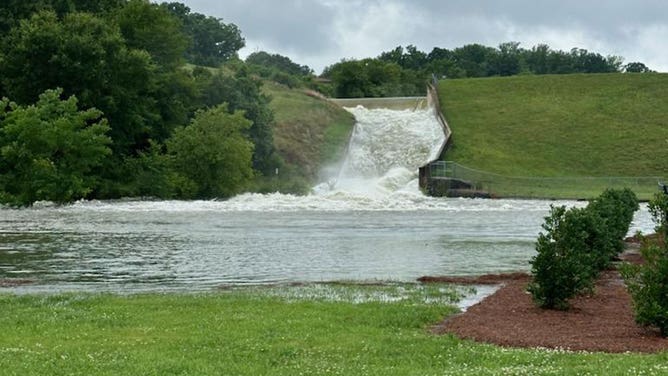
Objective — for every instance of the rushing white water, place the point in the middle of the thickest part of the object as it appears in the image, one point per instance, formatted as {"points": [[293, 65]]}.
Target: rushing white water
{"points": [[385, 152]]}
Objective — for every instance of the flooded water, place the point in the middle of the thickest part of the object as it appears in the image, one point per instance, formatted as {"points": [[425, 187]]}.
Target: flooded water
{"points": [[367, 223], [118, 246]]}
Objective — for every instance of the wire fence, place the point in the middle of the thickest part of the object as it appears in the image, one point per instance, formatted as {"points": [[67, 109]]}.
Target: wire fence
{"points": [[580, 187]]}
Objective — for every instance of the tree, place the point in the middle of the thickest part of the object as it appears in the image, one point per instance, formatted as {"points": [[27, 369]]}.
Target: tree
{"points": [[507, 61], [213, 42], [279, 62], [88, 58], [49, 150], [474, 59], [636, 67], [212, 153], [537, 59], [242, 92], [152, 28]]}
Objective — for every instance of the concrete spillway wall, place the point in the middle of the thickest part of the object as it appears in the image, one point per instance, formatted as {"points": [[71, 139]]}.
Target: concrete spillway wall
{"points": [[398, 103]]}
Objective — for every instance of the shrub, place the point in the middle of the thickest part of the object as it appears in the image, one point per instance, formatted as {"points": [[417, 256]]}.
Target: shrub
{"points": [[648, 283], [615, 208], [577, 245], [212, 155], [563, 267], [658, 208], [49, 150]]}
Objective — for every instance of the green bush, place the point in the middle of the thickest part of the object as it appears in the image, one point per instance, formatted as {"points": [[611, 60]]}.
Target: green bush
{"points": [[577, 245], [615, 207], [648, 283], [562, 268], [212, 155], [658, 208], [49, 150]]}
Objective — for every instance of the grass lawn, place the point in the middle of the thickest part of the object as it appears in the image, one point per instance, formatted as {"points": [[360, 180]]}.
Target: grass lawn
{"points": [[602, 125], [291, 331]]}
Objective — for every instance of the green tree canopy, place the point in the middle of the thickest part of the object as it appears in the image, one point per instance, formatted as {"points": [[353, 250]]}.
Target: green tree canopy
{"points": [[242, 92], [48, 150], [212, 41], [88, 58], [149, 27], [212, 153], [636, 67]]}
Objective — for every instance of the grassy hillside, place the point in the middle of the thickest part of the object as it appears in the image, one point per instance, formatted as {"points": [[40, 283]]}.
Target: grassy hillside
{"points": [[310, 132], [560, 126]]}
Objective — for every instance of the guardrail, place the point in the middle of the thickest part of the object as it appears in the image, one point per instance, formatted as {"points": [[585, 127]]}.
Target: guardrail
{"points": [[447, 176]]}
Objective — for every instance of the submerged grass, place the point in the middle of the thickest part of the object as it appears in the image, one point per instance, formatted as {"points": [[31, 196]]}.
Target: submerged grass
{"points": [[601, 125], [244, 332]]}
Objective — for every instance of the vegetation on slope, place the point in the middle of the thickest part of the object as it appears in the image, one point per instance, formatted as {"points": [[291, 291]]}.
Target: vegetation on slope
{"points": [[310, 132], [560, 126]]}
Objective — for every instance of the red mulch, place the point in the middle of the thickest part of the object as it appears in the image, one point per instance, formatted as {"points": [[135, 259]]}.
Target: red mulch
{"points": [[487, 279], [603, 321]]}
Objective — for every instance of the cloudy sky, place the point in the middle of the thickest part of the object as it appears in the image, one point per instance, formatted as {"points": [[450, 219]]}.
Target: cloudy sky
{"points": [[322, 32]]}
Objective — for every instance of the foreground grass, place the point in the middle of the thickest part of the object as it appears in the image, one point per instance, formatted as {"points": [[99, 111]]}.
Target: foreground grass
{"points": [[599, 125], [260, 333]]}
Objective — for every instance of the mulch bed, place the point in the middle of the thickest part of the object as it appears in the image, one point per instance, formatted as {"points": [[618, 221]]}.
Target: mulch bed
{"points": [[602, 322]]}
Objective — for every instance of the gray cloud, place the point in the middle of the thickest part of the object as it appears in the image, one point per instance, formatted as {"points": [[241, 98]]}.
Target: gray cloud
{"points": [[322, 32], [299, 25]]}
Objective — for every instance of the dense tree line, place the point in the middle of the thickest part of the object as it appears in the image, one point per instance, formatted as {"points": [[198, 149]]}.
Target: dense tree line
{"points": [[403, 71], [102, 103]]}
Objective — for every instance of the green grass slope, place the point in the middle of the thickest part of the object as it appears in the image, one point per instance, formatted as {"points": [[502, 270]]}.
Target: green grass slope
{"points": [[310, 132], [599, 125]]}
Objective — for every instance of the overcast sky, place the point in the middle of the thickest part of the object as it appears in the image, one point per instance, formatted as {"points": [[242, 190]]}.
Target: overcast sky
{"points": [[322, 32]]}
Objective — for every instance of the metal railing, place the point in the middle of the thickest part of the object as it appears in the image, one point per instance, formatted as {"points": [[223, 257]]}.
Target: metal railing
{"points": [[573, 187]]}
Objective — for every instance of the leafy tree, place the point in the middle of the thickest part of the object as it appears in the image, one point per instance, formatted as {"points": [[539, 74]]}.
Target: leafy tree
{"points": [[212, 153], [537, 59], [636, 67], [88, 58], [507, 62], [213, 42], [242, 92], [474, 59], [149, 27], [279, 62], [350, 79], [13, 11], [373, 78], [49, 150]]}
